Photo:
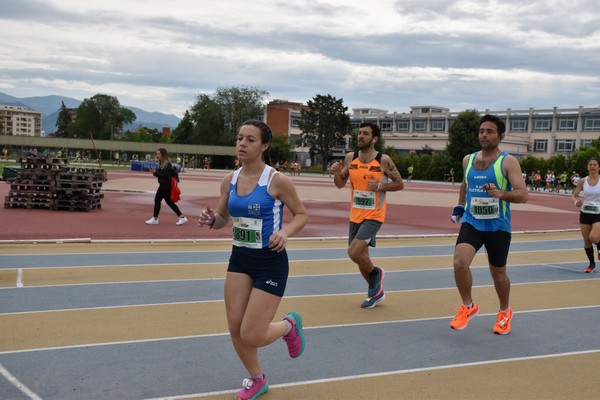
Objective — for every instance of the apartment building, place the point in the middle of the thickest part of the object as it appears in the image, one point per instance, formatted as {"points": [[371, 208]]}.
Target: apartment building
{"points": [[17, 120], [537, 132]]}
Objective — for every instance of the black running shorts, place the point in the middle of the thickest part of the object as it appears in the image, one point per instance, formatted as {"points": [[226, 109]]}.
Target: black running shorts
{"points": [[588, 219], [497, 243]]}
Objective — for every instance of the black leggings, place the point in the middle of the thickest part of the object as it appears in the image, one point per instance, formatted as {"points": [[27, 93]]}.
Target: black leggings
{"points": [[164, 192]]}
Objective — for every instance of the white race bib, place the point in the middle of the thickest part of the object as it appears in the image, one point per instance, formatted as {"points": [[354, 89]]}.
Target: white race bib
{"points": [[247, 232], [485, 207], [364, 200], [590, 207]]}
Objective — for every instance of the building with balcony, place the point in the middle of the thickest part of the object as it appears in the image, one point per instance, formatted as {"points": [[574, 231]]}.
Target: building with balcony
{"points": [[20, 121]]}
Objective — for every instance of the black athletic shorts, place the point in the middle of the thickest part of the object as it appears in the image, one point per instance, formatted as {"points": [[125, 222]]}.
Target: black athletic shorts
{"points": [[268, 269], [497, 243], [588, 219]]}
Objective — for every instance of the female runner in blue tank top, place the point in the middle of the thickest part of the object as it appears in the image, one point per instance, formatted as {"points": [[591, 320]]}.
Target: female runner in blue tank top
{"points": [[253, 198]]}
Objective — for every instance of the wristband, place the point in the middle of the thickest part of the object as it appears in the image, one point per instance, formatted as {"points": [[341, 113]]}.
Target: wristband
{"points": [[457, 213]]}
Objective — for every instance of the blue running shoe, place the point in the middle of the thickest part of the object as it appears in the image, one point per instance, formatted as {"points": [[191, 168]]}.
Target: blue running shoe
{"points": [[376, 284], [370, 302]]}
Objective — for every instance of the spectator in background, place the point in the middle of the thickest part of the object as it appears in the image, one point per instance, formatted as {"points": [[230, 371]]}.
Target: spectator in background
{"points": [[451, 176], [549, 181], [538, 180], [164, 173], [575, 179]]}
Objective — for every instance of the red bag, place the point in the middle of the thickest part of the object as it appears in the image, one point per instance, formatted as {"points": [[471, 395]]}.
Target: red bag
{"points": [[175, 192]]}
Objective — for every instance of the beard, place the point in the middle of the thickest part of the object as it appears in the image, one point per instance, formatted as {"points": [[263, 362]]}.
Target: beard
{"points": [[365, 146]]}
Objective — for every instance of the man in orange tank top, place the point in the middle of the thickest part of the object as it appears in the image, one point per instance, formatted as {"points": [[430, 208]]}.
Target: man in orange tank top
{"points": [[371, 175]]}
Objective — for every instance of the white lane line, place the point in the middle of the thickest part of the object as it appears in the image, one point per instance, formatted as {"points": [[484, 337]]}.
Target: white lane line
{"points": [[399, 321], [300, 250], [20, 277], [299, 296], [375, 375], [18, 384], [324, 274]]}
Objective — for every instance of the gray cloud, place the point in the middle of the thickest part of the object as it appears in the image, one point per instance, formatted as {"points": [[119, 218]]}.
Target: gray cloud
{"points": [[158, 55]]}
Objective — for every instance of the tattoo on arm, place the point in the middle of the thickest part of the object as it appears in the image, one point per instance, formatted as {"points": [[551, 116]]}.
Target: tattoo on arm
{"points": [[393, 172]]}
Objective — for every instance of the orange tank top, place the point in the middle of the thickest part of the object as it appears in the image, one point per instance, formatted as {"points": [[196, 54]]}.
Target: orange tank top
{"points": [[364, 203]]}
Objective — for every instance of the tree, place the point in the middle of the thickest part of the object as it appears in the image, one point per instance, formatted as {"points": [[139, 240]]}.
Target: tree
{"points": [[463, 136], [280, 149], [238, 104], [558, 163], [64, 122], [184, 132], [530, 164], [143, 134], [208, 123], [581, 158], [324, 123], [102, 115]]}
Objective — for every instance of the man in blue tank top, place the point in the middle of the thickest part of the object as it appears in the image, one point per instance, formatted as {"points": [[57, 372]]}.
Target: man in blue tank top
{"points": [[492, 180]]}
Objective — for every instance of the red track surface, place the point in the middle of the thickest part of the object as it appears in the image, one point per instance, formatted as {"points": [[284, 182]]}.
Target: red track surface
{"points": [[123, 213]]}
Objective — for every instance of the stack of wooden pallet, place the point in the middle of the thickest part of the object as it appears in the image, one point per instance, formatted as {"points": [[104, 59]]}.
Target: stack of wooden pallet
{"points": [[53, 184]]}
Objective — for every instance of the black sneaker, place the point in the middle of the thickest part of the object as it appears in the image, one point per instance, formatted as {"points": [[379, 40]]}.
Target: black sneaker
{"points": [[376, 285], [370, 302]]}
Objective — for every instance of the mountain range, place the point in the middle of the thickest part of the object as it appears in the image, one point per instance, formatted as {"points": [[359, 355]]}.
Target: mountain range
{"points": [[50, 105]]}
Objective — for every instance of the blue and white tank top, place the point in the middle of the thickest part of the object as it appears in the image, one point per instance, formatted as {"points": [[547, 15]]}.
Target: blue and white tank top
{"points": [[255, 216], [591, 195], [484, 212]]}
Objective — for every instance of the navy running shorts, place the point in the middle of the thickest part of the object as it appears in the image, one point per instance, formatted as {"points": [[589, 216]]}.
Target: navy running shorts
{"points": [[268, 269]]}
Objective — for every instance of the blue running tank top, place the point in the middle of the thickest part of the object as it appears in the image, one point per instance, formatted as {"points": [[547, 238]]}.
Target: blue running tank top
{"points": [[482, 211], [255, 216]]}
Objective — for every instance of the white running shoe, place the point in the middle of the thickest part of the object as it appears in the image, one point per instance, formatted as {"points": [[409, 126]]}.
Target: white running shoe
{"points": [[152, 221], [182, 220]]}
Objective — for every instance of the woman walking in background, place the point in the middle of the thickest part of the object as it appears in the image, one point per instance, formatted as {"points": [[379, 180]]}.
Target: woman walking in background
{"points": [[589, 217], [164, 173], [253, 196]]}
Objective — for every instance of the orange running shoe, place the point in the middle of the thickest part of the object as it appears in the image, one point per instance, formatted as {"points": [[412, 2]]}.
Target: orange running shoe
{"points": [[590, 268], [503, 321], [461, 320]]}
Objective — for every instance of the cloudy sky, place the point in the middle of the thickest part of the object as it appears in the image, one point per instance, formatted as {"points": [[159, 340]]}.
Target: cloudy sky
{"points": [[159, 55]]}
